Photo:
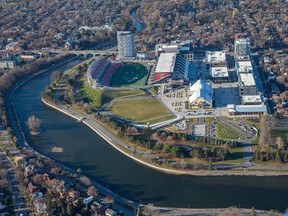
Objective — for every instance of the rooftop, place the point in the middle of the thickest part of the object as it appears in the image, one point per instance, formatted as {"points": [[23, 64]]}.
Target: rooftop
{"points": [[246, 108], [201, 89], [166, 63], [244, 67], [251, 99], [246, 79], [218, 72], [215, 56]]}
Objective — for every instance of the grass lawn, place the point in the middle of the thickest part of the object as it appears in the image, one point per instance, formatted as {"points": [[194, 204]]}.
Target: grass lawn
{"points": [[109, 95], [130, 74], [236, 155], [90, 95], [253, 122], [138, 110], [276, 133], [225, 132], [98, 97], [209, 119]]}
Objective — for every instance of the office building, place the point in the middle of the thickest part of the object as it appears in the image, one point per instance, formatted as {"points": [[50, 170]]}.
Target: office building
{"points": [[242, 48], [126, 46]]}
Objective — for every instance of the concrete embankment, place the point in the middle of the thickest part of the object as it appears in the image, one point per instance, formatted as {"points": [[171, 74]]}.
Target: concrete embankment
{"points": [[99, 130]]}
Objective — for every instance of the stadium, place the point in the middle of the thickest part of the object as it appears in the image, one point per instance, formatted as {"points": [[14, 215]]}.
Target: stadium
{"points": [[105, 72]]}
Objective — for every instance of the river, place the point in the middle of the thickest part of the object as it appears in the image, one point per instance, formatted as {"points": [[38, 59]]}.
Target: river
{"points": [[84, 149], [136, 22]]}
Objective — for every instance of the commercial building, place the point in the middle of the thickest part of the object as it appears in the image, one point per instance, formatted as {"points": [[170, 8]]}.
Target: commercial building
{"points": [[246, 109], [242, 48], [216, 58], [247, 84], [13, 46], [219, 74], [181, 47], [126, 46], [200, 95], [251, 100], [7, 64], [171, 65], [244, 67]]}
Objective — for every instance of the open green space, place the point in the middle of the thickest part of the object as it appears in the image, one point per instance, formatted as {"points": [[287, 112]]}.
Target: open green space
{"points": [[138, 110], [98, 97], [235, 156], [224, 132], [130, 74], [156, 120], [279, 133]]}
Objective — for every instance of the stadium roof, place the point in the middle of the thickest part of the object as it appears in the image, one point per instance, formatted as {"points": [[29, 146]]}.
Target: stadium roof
{"points": [[166, 63], [201, 89]]}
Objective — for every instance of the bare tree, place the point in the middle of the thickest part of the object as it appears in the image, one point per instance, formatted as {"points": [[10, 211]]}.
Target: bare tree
{"points": [[85, 180], [92, 191], [34, 124]]}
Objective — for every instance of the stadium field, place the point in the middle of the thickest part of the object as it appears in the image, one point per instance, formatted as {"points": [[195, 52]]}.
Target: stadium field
{"points": [[130, 74]]}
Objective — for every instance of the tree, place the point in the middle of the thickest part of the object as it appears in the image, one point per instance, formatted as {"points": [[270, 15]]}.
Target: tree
{"points": [[92, 191], [253, 213], [279, 142], [69, 209], [85, 180], [264, 136], [34, 124]]}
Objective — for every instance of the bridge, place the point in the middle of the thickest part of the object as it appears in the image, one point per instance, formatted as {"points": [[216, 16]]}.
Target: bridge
{"points": [[72, 52], [79, 52]]}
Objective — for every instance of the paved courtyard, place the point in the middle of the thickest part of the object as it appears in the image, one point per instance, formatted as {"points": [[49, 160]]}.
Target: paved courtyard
{"points": [[226, 95]]}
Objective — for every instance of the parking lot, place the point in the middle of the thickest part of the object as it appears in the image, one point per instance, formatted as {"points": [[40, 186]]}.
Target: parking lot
{"points": [[199, 130]]}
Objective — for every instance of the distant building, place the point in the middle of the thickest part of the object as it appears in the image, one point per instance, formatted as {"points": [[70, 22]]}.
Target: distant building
{"points": [[200, 95], [126, 46], [13, 46], [242, 48], [7, 64], [71, 44], [28, 56]]}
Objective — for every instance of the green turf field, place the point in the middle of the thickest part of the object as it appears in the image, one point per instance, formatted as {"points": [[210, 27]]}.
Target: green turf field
{"points": [[130, 74], [138, 110]]}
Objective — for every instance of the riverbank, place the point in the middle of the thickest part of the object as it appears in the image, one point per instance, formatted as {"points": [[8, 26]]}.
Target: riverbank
{"points": [[107, 136]]}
